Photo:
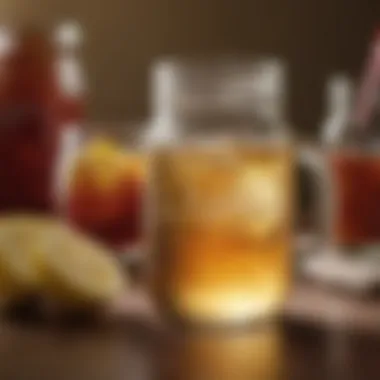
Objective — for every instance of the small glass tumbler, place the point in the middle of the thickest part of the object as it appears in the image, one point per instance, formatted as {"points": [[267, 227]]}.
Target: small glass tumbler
{"points": [[101, 182]]}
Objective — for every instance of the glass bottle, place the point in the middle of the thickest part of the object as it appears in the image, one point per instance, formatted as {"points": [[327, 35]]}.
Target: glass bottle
{"points": [[29, 135], [39, 115], [221, 194]]}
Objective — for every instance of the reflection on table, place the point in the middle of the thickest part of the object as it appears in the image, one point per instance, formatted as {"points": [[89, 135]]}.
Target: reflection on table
{"points": [[221, 355]]}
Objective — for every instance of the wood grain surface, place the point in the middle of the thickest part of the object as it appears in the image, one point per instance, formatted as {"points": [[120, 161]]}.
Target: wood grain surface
{"points": [[133, 345]]}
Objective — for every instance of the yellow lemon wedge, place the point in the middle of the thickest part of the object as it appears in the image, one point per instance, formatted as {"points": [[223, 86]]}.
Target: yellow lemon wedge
{"points": [[102, 164], [100, 147]]}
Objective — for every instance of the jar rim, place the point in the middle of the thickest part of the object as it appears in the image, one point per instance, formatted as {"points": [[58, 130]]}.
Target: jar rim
{"points": [[227, 61]]}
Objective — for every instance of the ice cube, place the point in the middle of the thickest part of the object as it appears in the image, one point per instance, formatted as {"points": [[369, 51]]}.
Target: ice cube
{"points": [[262, 197]]}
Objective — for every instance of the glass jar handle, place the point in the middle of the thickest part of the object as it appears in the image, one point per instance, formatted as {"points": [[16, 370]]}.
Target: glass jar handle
{"points": [[314, 161]]}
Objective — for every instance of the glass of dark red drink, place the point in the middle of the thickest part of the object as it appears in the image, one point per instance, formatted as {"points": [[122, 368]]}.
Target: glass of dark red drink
{"points": [[103, 186], [356, 181], [348, 189]]}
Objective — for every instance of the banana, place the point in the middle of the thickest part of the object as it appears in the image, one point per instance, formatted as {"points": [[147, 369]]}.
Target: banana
{"points": [[45, 257], [78, 271], [22, 246]]}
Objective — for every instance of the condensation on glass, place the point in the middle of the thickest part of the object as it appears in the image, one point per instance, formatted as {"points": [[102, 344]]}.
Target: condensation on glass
{"points": [[220, 224]]}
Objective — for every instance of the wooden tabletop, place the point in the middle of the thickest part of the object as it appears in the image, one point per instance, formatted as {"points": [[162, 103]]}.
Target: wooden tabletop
{"points": [[136, 348], [282, 351]]}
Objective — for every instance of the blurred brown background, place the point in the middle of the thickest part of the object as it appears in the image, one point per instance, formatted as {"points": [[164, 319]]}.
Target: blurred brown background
{"points": [[316, 37]]}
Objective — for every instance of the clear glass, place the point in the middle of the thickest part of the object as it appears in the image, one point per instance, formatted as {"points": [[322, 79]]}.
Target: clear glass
{"points": [[102, 184], [354, 166], [354, 170], [222, 196], [348, 168]]}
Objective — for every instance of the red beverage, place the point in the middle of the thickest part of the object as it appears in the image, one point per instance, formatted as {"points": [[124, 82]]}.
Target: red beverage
{"points": [[28, 138], [105, 193], [33, 115], [356, 179]]}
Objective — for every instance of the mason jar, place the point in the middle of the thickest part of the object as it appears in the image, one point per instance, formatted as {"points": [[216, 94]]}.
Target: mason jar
{"points": [[221, 207]]}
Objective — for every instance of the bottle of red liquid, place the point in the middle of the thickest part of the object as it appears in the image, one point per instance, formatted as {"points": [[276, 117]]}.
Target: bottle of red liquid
{"points": [[27, 136], [34, 115]]}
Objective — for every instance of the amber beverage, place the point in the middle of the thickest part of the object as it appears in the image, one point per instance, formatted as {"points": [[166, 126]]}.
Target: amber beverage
{"points": [[222, 231], [356, 178]]}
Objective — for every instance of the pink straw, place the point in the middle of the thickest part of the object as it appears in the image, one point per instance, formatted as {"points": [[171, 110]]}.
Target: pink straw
{"points": [[370, 84]]}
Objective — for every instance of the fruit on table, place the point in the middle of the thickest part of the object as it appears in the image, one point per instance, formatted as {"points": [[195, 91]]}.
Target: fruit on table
{"points": [[42, 256], [23, 242], [78, 271]]}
